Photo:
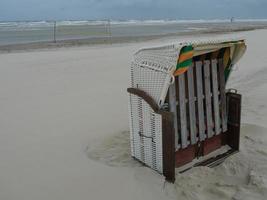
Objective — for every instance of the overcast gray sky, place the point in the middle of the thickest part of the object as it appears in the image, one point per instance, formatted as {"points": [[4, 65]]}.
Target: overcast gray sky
{"points": [[130, 9]]}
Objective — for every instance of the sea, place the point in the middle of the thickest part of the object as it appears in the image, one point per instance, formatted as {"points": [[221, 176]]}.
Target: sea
{"points": [[21, 32]]}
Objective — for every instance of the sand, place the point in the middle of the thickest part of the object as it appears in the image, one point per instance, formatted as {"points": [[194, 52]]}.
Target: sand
{"points": [[64, 129]]}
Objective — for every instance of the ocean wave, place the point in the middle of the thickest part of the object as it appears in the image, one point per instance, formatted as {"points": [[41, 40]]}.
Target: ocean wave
{"points": [[36, 24]]}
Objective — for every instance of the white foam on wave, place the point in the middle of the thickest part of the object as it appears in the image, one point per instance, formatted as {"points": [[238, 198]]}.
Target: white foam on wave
{"points": [[29, 24]]}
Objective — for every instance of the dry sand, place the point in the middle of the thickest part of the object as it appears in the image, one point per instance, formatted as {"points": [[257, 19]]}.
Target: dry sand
{"points": [[64, 129]]}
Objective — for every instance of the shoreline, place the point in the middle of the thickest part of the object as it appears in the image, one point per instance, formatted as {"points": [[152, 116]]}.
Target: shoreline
{"points": [[114, 40]]}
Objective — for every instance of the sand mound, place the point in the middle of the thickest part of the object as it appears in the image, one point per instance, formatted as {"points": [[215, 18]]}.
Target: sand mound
{"points": [[241, 176], [113, 151]]}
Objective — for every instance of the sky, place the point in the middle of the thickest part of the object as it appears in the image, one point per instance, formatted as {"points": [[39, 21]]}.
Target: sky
{"points": [[14, 10]]}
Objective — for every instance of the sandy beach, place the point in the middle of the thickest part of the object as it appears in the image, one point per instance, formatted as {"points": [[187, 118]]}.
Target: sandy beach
{"points": [[64, 128]]}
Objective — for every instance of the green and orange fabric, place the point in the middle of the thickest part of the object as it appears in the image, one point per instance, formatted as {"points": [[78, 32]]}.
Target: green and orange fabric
{"points": [[230, 52], [185, 60], [224, 53], [227, 63]]}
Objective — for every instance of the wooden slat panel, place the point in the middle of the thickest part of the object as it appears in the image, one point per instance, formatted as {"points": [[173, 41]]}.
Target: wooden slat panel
{"points": [[223, 96], [208, 98], [182, 110], [215, 94], [173, 109], [191, 100], [201, 124]]}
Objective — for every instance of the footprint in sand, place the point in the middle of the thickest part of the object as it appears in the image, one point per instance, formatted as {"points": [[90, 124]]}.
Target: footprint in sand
{"points": [[113, 151]]}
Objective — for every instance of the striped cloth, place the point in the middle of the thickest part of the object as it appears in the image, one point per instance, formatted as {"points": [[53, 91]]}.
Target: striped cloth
{"points": [[185, 60], [225, 54]]}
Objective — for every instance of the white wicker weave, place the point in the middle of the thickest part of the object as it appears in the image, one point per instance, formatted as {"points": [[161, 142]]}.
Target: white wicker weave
{"points": [[146, 133], [151, 71]]}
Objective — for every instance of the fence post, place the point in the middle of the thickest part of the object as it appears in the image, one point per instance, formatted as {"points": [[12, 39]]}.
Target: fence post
{"points": [[55, 27], [109, 31]]}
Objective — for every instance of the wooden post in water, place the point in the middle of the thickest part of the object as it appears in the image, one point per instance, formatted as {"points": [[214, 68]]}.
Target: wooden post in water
{"points": [[55, 27], [109, 31]]}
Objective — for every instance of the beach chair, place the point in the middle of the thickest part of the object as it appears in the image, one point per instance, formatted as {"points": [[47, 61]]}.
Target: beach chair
{"points": [[180, 113]]}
